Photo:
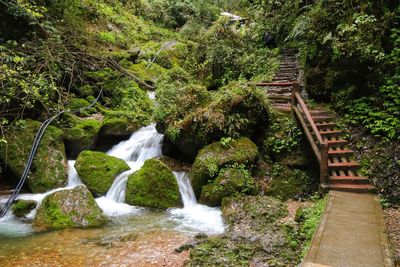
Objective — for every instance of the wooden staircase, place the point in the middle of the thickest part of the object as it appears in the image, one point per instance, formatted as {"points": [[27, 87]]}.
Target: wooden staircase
{"points": [[280, 89], [338, 169]]}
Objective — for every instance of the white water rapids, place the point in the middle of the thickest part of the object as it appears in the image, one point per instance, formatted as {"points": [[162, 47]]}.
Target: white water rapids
{"points": [[144, 144]]}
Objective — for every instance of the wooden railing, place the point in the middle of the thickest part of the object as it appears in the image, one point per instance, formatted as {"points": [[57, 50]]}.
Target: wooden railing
{"points": [[314, 137]]}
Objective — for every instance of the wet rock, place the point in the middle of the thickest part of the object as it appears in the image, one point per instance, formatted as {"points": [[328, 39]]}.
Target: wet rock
{"points": [[215, 156], [154, 186], [230, 182], [81, 134], [21, 207], [118, 127], [99, 170], [49, 168], [69, 208]]}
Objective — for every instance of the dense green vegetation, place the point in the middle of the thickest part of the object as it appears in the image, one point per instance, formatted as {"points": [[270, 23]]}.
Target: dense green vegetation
{"points": [[247, 157]]}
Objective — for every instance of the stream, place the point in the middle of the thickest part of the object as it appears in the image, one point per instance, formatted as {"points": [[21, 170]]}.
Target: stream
{"points": [[134, 236]]}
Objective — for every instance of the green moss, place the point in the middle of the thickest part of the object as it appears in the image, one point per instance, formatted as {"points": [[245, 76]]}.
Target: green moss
{"points": [[119, 127], [49, 167], [311, 218], [230, 182], [82, 135], [98, 170], [69, 208], [76, 104], [153, 186], [215, 156], [289, 183], [21, 207]]}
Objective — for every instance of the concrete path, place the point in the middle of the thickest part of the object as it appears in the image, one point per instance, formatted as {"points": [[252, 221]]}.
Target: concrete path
{"points": [[351, 233]]}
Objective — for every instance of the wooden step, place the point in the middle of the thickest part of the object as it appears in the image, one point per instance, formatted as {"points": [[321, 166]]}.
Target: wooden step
{"points": [[325, 125], [340, 152], [354, 188], [279, 90], [336, 142], [343, 165], [282, 107], [320, 118], [278, 97], [319, 112], [331, 133], [348, 180]]}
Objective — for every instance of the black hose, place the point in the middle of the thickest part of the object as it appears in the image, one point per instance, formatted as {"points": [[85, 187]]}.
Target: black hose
{"points": [[35, 145]]}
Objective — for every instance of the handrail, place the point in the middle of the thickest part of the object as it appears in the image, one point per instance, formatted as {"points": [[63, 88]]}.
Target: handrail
{"points": [[308, 133], [309, 117], [321, 150]]}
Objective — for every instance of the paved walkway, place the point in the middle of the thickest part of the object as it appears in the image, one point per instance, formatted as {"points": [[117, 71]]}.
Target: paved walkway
{"points": [[351, 234]]}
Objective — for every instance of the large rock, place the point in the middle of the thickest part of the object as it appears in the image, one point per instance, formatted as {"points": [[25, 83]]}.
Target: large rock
{"points": [[81, 135], [230, 182], [21, 207], [49, 168], [98, 170], [69, 208], [212, 158], [235, 110], [119, 127], [153, 186]]}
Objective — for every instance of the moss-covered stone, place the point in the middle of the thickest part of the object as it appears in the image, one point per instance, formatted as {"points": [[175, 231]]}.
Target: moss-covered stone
{"points": [[82, 135], [153, 186], [230, 182], [233, 111], [255, 236], [49, 167], [76, 104], [212, 158], [289, 183], [98, 170], [69, 208], [119, 127], [22, 207]]}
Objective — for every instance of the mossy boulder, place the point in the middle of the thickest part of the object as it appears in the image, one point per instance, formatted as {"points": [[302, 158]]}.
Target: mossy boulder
{"points": [[49, 167], [212, 158], [230, 182], [287, 183], [119, 127], [69, 208], [98, 170], [21, 207], [154, 186], [81, 135], [234, 110]]}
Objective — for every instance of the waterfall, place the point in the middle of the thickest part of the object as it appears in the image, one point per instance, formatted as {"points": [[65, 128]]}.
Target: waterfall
{"points": [[186, 190], [195, 216], [73, 177], [144, 144]]}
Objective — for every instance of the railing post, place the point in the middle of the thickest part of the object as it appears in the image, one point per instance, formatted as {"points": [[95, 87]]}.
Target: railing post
{"points": [[295, 88], [324, 147]]}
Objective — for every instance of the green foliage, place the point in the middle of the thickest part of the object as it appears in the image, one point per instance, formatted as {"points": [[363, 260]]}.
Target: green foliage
{"points": [[226, 142], [380, 113], [284, 135]]}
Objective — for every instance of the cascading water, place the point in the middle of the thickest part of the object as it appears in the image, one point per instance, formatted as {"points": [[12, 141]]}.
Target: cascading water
{"points": [[73, 177], [144, 144], [194, 216], [186, 190]]}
